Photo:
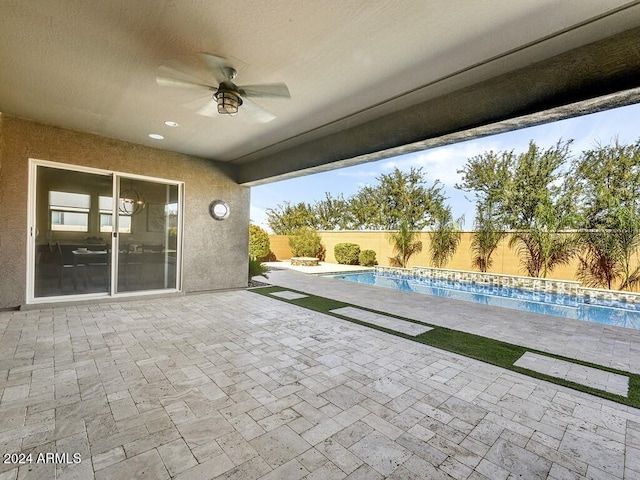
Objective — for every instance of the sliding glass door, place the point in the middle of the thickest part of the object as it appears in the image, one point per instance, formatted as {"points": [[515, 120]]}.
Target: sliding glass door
{"points": [[84, 243], [148, 235], [72, 254]]}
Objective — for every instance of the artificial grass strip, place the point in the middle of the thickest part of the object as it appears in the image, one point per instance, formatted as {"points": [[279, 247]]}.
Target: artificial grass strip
{"points": [[481, 348], [474, 346]]}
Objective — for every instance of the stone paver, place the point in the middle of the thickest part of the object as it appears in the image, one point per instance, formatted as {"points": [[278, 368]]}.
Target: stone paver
{"points": [[591, 377], [606, 345], [384, 321], [235, 385], [289, 295]]}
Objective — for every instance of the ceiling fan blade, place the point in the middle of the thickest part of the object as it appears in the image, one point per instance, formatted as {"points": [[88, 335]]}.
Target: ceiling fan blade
{"points": [[210, 109], [198, 102], [171, 76], [174, 82], [256, 112], [221, 68], [267, 90]]}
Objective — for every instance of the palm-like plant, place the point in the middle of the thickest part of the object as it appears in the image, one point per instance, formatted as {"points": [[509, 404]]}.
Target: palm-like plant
{"points": [[405, 244], [485, 238], [541, 251], [598, 266], [445, 238], [608, 252], [546, 244], [627, 236], [257, 268]]}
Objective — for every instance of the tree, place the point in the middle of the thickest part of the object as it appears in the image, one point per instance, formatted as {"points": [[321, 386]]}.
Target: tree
{"points": [[532, 193], [399, 197], [514, 185], [259, 244], [609, 180], [285, 219], [488, 177], [332, 213], [405, 244], [486, 236], [540, 177], [445, 237]]}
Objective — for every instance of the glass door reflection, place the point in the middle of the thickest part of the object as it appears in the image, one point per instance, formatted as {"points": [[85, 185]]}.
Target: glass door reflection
{"points": [[72, 251], [147, 235]]}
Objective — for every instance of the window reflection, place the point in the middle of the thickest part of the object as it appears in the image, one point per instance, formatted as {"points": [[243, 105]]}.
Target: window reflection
{"points": [[69, 211], [106, 217], [72, 252]]}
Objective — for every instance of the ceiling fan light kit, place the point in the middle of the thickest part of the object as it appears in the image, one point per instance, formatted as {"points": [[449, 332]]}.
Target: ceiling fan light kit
{"points": [[228, 102]]}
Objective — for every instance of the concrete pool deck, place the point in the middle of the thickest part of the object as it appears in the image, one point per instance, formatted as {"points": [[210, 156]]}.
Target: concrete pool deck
{"points": [[235, 385]]}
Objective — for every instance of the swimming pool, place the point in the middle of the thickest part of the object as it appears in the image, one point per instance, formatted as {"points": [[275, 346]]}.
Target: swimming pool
{"points": [[608, 312]]}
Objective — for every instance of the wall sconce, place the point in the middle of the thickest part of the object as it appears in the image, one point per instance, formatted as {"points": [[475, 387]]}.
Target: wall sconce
{"points": [[219, 210]]}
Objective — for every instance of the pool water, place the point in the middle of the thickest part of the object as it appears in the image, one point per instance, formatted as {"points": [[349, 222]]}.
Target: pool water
{"points": [[608, 312]]}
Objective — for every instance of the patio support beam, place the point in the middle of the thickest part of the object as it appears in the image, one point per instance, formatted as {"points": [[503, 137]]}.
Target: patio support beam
{"points": [[597, 76]]}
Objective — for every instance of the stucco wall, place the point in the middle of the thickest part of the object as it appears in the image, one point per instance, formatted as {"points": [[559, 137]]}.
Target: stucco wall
{"points": [[215, 253]]}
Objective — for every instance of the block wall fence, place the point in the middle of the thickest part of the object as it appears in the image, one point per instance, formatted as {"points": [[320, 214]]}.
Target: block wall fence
{"points": [[505, 259]]}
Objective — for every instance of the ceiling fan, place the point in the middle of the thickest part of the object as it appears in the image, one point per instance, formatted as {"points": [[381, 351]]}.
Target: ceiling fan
{"points": [[227, 97]]}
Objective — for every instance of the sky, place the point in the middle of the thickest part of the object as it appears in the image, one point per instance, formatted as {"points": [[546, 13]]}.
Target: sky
{"points": [[442, 163]]}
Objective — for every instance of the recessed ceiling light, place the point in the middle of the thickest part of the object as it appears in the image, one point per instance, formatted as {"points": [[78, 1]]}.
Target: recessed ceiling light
{"points": [[169, 123], [156, 136]]}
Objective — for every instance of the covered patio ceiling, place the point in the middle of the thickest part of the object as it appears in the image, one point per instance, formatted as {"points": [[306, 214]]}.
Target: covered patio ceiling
{"points": [[367, 79]]}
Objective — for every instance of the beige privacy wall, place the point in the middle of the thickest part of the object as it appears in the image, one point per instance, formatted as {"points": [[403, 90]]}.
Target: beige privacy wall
{"points": [[505, 260], [215, 253]]}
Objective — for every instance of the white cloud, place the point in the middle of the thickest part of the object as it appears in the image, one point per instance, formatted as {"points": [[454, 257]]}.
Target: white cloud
{"points": [[258, 217], [442, 163]]}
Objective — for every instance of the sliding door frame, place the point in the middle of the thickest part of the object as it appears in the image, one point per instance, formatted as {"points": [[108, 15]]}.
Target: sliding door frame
{"points": [[116, 176]]}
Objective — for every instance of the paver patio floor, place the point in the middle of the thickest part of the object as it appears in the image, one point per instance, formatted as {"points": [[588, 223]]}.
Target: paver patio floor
{"points": [[606, 345], [238, 385]]}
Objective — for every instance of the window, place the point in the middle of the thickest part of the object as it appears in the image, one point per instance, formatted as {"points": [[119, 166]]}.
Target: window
{"points": [[69, 212], [106, 217]]}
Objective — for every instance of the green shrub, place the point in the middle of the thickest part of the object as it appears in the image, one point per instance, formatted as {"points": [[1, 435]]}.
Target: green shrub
{"points": [[257, 268], [346, 253], [305, 242], [259, 245], [367, 258]]}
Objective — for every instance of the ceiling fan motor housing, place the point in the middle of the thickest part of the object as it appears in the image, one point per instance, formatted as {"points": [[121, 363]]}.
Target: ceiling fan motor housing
{"points": [[230, 72]]}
